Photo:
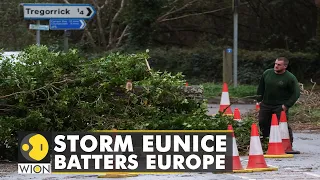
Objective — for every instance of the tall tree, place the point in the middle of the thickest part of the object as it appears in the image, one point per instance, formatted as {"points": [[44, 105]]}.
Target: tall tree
{"points": [[317, 2]]}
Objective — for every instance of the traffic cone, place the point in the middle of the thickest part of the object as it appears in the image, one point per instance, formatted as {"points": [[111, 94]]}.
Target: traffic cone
{"points": [[236, 163], [257, 106], [225, 101], [256, 160], [275, 147], [236, 115], [284, 132]]}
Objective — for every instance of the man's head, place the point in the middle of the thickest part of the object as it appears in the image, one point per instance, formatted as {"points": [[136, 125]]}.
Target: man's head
{"points": [[281, 65]]}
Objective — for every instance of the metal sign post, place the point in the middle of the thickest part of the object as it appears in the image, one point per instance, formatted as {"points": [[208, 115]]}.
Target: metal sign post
{"points": [[235, 42], [38, 34]]}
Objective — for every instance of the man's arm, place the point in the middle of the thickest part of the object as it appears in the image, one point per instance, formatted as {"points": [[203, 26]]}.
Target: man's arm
{"points": [[295, 93], [260, 90]]}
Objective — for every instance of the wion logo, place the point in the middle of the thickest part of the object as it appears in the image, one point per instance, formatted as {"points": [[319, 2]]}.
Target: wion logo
{"points": [[33, 154]]}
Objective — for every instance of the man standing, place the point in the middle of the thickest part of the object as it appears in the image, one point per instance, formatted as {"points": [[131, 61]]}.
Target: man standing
{"points": [[278, 90]]}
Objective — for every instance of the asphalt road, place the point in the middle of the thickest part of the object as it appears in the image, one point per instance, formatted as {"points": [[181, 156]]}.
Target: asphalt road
{"points": [[243, 108]]}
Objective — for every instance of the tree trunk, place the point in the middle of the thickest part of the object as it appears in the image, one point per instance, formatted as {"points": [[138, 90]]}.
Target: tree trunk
{"points": [[113, 24], [317, 2], [318, 22], [101, 31], [100, 26]]}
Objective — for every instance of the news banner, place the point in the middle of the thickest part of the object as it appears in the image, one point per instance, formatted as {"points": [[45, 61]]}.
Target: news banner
{"points": [[152, 151]]}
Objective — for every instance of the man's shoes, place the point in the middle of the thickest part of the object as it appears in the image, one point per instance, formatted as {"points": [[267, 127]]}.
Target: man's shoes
{"points": [[292, 151]]}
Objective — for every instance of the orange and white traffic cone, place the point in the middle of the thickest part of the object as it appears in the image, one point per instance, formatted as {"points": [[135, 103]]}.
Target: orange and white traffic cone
{"points": [[256, 160], [225, 101], [275, 147], [236, 115], [236, 163], [257, 106], [284, 132]]}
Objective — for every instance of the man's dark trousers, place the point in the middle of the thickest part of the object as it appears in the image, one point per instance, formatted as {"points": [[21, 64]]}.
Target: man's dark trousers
{"points": [[265, 117]]}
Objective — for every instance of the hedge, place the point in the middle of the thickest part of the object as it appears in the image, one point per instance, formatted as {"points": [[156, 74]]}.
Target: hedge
{"points": [[205, 64]]}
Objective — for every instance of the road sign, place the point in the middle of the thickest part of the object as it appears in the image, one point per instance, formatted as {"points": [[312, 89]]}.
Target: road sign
{"points": [[229, 50], [58, 11], [67, 24], [39, 27]]}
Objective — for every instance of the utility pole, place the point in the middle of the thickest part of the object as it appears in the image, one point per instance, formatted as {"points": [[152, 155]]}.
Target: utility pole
{"points": [[235, 42], [66, 45], [38, 32]]}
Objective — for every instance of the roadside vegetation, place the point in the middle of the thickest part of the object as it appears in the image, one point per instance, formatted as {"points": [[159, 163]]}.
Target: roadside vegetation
{"points": [[306, 113], [212, 90]]}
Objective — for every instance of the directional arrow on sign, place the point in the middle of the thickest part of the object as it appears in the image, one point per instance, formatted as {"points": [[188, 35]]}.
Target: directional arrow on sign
{"points": [[58, 11], [67, 24], [89, 11]]}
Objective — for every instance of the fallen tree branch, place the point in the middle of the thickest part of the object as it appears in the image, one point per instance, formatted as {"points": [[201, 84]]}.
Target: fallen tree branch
{"points": [[38, 89]]}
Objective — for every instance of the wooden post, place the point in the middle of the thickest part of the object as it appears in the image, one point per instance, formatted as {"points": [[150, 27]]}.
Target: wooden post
{"points": [[227, 66]]}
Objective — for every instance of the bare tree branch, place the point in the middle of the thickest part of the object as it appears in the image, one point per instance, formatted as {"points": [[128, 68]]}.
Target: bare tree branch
{"points": [[43, 87], [114, 22], [101, 32], [105, 4], [172, 12], [91, 40], [195, 14], [95, 3], [86, 30], [122, 35]]}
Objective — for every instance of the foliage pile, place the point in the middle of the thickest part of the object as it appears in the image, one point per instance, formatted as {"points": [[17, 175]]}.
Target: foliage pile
{"points": [[54, 91], [307, 108]]}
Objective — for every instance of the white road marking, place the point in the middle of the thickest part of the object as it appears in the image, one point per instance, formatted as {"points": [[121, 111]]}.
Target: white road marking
{"points": [[242, 177], [312, 174]]}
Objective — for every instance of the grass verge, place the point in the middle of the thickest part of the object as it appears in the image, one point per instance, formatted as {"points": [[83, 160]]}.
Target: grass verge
{"points": [[212, 90]]}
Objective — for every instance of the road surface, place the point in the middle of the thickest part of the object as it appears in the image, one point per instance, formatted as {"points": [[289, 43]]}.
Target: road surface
{"points": [[243, 108]]}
